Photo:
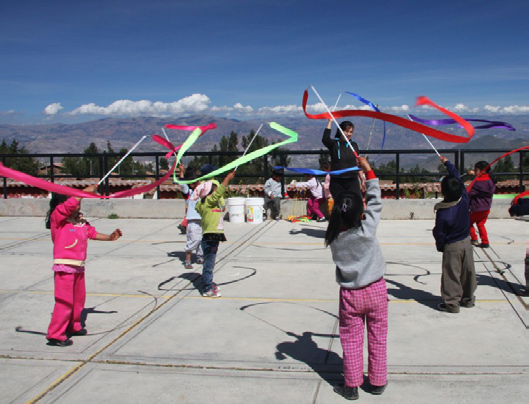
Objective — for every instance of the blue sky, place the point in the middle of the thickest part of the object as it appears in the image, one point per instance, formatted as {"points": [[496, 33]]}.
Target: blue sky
{"points": [[78, 60]]}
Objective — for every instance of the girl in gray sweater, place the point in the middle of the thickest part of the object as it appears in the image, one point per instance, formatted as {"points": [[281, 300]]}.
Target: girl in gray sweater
{"points": [[360, 269]]}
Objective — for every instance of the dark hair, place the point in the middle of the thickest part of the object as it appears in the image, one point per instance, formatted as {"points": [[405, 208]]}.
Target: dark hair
{"points": [[325, 166], [56, 200], [346, 214], [190, 174], [481, 165], [452, 188], [277, 172], [344, 126], [207, 168]]}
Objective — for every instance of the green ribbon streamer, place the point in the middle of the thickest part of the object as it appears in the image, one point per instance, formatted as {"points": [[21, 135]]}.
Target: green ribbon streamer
{"points": [[292, 138]]}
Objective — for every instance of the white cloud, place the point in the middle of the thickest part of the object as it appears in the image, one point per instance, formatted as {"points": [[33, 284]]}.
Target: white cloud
{"points": [[53, 109], [512, 109], [516, 109], [196, 103], [402, 109], [238, 107], [280, 110], [491, 108]]}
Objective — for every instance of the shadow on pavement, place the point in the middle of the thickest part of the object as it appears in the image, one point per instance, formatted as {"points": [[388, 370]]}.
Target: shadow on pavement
{"points": [[406, 293], [305, 350]]}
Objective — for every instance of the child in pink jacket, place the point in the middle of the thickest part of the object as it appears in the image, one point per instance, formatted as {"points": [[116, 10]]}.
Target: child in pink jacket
{"points": [[70, 234], [316, 197]]}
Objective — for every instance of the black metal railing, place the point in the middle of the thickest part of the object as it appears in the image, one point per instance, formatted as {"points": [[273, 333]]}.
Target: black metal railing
{"points": [[457, 156]]}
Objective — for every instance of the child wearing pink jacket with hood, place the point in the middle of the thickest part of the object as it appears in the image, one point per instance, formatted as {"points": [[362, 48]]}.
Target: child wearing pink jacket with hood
{"points": [[70, 234]]}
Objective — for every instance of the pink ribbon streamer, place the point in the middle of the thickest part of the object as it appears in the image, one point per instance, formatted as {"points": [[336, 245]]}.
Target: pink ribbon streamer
{"points": [[65, 190]]}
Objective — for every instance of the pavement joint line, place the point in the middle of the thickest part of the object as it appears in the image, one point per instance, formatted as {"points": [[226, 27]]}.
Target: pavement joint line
{"points": [[22, 241], [91, 358], [242, 244], [501, 273], [514, 369]]}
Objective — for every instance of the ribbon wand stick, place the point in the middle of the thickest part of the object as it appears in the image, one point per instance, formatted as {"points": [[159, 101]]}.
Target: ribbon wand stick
{"points": [[249, 144], [167, 137], [337, 101], [334, 120], [428, 140], [370, 133], [123, 158]]}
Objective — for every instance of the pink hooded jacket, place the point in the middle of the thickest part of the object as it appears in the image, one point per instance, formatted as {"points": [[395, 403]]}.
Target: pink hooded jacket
{"points": [[70, 239]]}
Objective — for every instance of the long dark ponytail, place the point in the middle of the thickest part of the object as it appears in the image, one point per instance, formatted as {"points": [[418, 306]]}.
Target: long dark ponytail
{"points": [[56, 200], [346, 214]]}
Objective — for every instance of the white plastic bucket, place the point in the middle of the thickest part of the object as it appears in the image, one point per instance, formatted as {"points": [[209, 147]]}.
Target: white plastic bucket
{"points": [[236, 209], [254, 210]]}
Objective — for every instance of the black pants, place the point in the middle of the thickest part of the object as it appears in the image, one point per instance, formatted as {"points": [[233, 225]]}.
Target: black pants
{"points": [[340, 185]]}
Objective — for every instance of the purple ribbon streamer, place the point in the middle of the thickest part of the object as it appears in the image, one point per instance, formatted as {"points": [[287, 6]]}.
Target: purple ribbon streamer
{"points": [[489, 124]]}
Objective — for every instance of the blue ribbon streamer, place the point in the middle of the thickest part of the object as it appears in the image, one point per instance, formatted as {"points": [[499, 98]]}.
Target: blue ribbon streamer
{"points": [[374, 107], [310, 171]]}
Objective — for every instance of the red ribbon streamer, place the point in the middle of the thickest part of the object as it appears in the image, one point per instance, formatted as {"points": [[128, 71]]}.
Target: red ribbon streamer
{"points": [[488, 166], [522, 195], [164, 142], [416, 127]]}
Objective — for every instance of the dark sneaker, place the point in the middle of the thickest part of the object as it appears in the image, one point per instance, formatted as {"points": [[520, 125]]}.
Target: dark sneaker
{"points": [[200, 261], [467, 304], [377, 390], [349, 393], [322, 219], [56, 342], [474, 242], [483, 245], [188, 265], [447, 309], [80, 333], [182, 229]]}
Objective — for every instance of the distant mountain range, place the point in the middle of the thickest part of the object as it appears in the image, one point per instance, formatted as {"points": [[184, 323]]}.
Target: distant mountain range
{"points": [[125, 132]]}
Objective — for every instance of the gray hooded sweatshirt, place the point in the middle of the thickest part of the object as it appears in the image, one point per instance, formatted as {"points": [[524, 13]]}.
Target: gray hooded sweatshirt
{"points": [[356, 252]]}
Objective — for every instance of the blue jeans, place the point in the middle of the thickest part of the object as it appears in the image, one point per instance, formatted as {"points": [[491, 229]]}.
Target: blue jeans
{"points": [[210, 249]]}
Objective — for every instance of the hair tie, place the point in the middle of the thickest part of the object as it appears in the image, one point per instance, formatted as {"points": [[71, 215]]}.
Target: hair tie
{"points": [[344, 207]]}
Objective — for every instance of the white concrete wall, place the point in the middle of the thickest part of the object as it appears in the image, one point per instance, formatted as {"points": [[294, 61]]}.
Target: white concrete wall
{"points": [[403, 209]]}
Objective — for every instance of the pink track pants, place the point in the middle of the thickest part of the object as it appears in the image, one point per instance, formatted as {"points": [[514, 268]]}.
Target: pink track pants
{"points": [[70, 296], [313, 207]]}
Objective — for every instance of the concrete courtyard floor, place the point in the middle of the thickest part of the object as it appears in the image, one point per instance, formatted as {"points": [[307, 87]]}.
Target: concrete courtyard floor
{"points": [[273, 336]]}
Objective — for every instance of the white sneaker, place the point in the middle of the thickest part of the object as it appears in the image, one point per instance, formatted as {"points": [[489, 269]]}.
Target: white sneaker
{"points": [[214, 292]]}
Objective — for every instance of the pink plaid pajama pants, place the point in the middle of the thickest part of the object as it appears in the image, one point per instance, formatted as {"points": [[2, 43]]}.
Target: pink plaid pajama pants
{"points": [[367, 305]]}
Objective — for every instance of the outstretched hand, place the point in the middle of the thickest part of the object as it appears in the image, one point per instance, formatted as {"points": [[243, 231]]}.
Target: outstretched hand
{"points": [[91, 189], [115, 235]]}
